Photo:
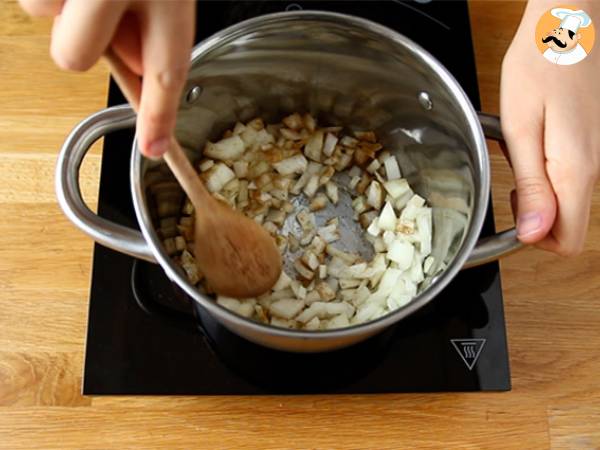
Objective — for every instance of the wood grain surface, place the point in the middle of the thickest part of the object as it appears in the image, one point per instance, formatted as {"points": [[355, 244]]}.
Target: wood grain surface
{"points": [[552, 307]]}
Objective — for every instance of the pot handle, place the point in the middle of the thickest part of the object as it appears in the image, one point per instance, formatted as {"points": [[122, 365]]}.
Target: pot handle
{"points": [[118, 237], [491, 248]]}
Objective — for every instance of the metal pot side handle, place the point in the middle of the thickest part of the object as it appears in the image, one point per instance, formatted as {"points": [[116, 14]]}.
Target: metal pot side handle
{"points": [[68, 192], [491, 248]]}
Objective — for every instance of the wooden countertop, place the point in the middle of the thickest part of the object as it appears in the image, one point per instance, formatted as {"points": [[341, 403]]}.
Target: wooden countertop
{"points": [[552, 307]]}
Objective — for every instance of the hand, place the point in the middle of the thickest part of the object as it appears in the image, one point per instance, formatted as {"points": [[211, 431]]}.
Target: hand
{"points": [[152, 37], [551, 122]]}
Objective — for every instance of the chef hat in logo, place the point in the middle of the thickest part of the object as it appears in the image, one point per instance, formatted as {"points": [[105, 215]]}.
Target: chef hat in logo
{"points": [[572, 20]]}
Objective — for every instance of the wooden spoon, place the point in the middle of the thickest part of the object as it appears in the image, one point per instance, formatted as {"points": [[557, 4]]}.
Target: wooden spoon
{"points": [[237, 256]]}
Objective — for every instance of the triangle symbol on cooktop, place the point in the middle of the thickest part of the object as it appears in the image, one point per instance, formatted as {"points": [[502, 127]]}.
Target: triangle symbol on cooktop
{"points": [[469, 350]]}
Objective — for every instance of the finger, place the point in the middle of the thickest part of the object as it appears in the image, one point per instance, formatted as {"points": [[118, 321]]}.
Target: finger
{"points": [[522, 128], [167, 36], [573, 216], [42, 8], [127, 44], [83, 31]]}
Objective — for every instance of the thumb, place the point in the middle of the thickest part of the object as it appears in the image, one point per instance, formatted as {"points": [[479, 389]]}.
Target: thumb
{"points": [[536, 202]]}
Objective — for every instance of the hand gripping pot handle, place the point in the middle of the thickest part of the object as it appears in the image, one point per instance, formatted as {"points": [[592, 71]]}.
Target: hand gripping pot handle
{"points": [[491, 248], [76, 146]]}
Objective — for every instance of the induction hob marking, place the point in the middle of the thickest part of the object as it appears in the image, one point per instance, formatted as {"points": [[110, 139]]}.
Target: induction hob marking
{"points": [[469, 350]]}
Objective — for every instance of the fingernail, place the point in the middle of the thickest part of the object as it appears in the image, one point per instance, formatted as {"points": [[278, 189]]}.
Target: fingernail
{"points": [[158, 147], [528, 224]]}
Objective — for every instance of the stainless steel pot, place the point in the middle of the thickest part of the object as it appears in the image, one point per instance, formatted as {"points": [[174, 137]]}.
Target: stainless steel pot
{"points": [[344, 70]]}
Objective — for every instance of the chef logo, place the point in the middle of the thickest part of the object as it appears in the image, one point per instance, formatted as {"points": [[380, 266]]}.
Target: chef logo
{"points": [[565, 35]]}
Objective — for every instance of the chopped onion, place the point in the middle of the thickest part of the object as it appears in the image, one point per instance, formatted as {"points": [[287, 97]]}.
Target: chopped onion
{"points": [[295, 164], [375, 195], [286, 308], [387, 218], [314, 146], [392, 170], [402, 253], [329, 146], [226, 149], [331, 190]]}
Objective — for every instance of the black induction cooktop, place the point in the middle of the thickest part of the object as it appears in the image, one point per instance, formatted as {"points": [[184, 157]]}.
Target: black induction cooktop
{"points": [[143, 339]]}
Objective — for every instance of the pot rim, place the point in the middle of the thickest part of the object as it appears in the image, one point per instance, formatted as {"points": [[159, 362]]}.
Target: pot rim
{"points": [[481, 199]]}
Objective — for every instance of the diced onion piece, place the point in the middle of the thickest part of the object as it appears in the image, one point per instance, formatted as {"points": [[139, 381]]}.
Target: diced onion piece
{"points": [[355, 172], [310, 260], [348, 258], [312, 324], [325, 310], [373, 166], [374, 229], [246, 307], [336, 267], [392, 170], [366, 218], [359, 204], [241, 169], [206, 164], [231, 304], [416, 274], [295, 164], [291, 135], [356, 271], [282, 323], [276, 216], [331, 190], [354, 182], [349, 141], [309, 122], [387, 218], [226, 149], [348, 283], [379, 245], [314, 146], [339, 321], [322, 271], [367, 311], [428, 265], [305, 219], [318, 245], [402, 253], [375, 195], [388, 238], [329, 145], [293, 121], [311, 297], [363, 184], [397, 188], [319, 202], [286, 308], [325, 291], [303, 271], [343, 162], [271, 228], [311, 187], [361, 295], [326, 175], [307, 237], [283, 282], [218, 176], [329, 233], [409, 213]]}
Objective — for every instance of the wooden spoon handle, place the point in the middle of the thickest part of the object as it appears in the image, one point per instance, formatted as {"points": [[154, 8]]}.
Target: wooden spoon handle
{"points": [[175, 157]]}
